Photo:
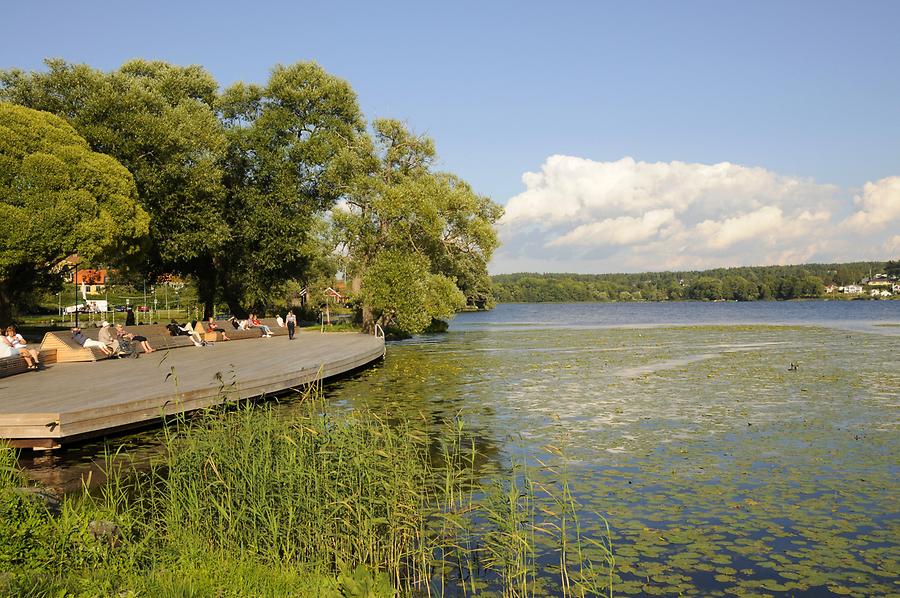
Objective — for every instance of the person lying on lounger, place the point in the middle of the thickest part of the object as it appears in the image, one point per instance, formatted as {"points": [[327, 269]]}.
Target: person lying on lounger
{"points": [[89, 343], [176, 329], [145, 345]]}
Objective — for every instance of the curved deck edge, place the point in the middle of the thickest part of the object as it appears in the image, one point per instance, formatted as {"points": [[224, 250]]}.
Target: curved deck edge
{"points": [[73, 420]]}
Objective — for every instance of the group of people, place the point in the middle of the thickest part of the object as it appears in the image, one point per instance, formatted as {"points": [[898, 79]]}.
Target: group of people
{"points": [[253, 321], [114, 340], [196, 330], [12, 343], [111, 341]]}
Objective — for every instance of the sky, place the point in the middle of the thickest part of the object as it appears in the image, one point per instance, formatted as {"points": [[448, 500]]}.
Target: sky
{"points": [[620, 136]]}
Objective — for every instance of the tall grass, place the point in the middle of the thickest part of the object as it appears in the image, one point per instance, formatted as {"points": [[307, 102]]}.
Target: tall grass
{"points": [[346, 501]]}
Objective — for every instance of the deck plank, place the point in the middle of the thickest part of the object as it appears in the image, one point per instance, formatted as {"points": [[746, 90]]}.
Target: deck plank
{"points": [[89, 398]]}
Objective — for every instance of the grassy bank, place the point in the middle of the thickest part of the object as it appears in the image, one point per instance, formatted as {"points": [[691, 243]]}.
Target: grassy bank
{"points": [[252, 503]]}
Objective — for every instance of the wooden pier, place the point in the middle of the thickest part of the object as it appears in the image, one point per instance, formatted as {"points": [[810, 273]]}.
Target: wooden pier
{"points": [[71, 401]]}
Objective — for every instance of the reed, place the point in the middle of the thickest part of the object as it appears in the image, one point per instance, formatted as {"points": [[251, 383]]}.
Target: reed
{"points": [[348, 501]]}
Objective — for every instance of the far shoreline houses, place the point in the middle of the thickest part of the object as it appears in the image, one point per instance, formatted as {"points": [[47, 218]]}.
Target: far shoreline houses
{"points": [[881, 285]]}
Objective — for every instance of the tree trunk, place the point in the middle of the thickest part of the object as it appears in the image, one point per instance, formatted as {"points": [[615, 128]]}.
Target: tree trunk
{"points": [[356, 284], [232, 297], [5, 305], [368, 320], [206, 290]]}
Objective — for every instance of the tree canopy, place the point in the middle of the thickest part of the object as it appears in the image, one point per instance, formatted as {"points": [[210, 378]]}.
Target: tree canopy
{"points": [[235, 184], [426, 232], [250, 190], [285, 165], [158, 120], [57, 198], [737, 284]]}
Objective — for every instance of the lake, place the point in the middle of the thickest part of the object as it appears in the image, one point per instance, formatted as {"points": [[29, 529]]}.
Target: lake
{"points": [[719, 469]]}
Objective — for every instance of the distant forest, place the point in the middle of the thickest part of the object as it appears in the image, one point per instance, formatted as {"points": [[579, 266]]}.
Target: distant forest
{"points": [[740, 284]]}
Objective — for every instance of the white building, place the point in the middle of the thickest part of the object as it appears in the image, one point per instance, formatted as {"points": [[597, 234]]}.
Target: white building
{"points": [[852, 289]]}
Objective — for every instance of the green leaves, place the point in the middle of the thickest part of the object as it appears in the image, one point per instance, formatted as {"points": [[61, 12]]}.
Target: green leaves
{"points": [[433, 225], [400, 289], [57, 198], [289, 143], [235, 186], [157, 120]]}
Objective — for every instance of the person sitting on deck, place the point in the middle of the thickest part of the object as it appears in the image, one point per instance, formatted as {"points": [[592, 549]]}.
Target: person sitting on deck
{"points": [[213, 326], [89, 343], [255, 323], [17, 344], [145, 345], [279, 321], [6, 349], [176, 329], [107, 337]]}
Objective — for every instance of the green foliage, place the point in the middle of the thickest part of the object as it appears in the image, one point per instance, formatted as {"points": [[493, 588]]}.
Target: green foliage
{"points": [[235, 184], [157, 120], [255, 503], [738, 284], [892, 268], [57, 197], [360, 583], [399, 288], [285, 165], [397, 206], [706, 288]]}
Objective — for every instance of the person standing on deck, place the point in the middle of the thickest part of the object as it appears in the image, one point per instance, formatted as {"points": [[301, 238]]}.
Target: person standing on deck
{"points": [[129, 316], [291, 321]]}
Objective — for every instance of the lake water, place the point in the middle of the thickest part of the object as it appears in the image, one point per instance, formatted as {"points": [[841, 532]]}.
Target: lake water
{"points": [[854, 315], [719, 470]]}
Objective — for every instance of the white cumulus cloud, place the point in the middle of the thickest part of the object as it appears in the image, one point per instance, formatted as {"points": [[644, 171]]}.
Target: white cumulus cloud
{"points": [[879, 204], [624, 230], [577, 214]]}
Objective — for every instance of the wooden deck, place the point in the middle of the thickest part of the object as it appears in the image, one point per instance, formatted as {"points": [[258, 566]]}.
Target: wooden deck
{"points": [[69, 401]]}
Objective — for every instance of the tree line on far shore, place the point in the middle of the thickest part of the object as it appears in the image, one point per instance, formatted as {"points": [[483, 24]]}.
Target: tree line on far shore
{"points": [[252, 191], [730, 284]]}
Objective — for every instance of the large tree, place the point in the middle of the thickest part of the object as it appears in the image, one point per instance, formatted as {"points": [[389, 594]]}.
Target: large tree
{"points": [[290, 156], [426, 233], [57, 197], [158, 120]]}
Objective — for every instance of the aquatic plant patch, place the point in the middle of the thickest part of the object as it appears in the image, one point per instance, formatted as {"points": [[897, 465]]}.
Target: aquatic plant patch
{"points": [[721, 469]]}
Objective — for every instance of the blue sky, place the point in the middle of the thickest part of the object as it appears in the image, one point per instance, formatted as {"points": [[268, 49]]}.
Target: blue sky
{"points": [[803, 94]]}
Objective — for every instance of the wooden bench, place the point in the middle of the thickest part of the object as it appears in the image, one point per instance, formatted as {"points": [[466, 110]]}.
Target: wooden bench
{"points": [[159, 337], [236, 334], [67, 350], [276, 329], [16, 364]]}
